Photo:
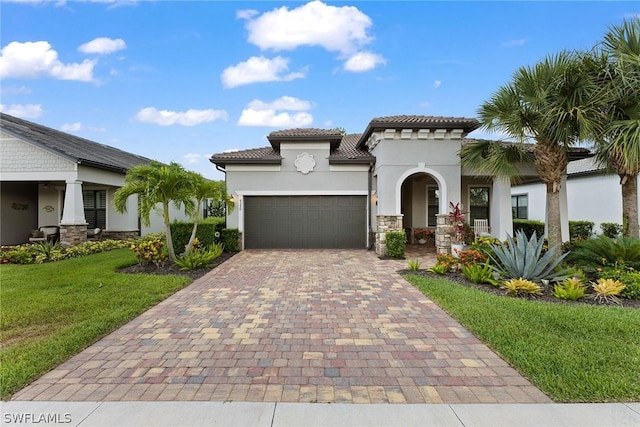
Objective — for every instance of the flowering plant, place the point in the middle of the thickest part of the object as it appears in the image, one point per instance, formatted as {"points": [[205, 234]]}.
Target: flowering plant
{"points": [[422, 233], [456, 216]]}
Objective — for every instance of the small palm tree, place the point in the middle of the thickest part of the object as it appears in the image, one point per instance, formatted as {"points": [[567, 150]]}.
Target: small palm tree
{"points": [[547, 104], [204, 189], [618, 147], [157, 183]]}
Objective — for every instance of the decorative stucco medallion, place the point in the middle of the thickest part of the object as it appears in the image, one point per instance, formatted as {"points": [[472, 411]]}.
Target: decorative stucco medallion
{"points": [[305, 163]]}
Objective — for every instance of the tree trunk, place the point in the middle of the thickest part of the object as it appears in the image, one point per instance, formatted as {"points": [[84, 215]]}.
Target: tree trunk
{"points": [[193, 230], [167, 228], [630, 206], [551, 164]]}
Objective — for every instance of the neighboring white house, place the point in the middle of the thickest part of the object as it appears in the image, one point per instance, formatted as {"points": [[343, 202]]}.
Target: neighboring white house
{"points": [[51, 178], [318, 188], [591, 195]]}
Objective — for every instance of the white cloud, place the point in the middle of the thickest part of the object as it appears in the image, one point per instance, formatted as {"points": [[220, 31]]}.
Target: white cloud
{"points": [[102, 46], [25, 111], [258, 69], [515, 42], [275, 113], [71, 127], [191, 158], [33, 59], [363, 61], [190, 117], [437, 83], [246, 13], [337, 29], [14, 90]]}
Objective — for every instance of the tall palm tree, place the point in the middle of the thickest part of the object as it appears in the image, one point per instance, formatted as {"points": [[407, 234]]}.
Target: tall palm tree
{"points": [[619, 146], [547, 104], [204, 189], [157, 183]]}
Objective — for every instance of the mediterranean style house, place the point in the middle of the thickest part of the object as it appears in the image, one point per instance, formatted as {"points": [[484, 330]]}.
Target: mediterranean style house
{"points": [[591, 195], [315, 188], [60, 181]]}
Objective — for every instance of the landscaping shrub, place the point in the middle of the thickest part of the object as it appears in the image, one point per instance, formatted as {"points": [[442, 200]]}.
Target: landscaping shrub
{"points": [[477, 273], [471, 256], [483, 244], [150, 250], [447, 260], [181, 233], [229, 238], [522, 258], [522, 288], [528, 227], [607, 291], [396, 243], [413, 264], [47, 252], [580, 230], [571, 289], [438, 269], [611, 229], [604, 251], [200, 257], [628, 276]]}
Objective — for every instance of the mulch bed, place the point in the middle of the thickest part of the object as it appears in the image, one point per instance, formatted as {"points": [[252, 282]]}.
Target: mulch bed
{"points": [[460, 279], [175, 270]]}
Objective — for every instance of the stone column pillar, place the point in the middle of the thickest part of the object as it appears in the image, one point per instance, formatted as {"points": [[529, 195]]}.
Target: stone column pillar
{"points": [[73, 226], [386, 223], [444, 228]]}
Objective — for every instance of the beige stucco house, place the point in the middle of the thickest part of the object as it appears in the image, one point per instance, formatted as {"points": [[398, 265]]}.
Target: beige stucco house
{"points": [[319, 188]]}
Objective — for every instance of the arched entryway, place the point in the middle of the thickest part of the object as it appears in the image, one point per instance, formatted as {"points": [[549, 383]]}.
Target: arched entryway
{"points": [[419, 203]]}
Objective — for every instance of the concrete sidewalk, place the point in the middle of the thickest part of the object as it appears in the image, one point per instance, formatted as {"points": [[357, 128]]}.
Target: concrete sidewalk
{"points": [[245, 414]]}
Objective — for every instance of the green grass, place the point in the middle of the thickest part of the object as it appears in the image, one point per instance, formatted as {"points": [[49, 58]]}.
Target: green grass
{"points": [[573, 353], [49, 312]]}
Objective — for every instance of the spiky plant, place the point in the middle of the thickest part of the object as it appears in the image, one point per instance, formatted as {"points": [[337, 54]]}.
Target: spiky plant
{"points": [[571, 289], [607, 291], [522, 258], [603, 251], [414, 264], [522, 288]]}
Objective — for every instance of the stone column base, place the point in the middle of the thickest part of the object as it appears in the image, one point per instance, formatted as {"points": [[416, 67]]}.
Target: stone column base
{"points": [[73, 234], [386, 223], [444, 229]]}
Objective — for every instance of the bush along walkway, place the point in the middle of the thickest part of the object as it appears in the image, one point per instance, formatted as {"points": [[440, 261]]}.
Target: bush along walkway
{"points": [[291, 326]]}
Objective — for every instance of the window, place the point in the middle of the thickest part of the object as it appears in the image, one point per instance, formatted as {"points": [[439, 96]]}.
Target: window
{"points": [[95, 208], [519, 206], [433, 205], [478, 203]]}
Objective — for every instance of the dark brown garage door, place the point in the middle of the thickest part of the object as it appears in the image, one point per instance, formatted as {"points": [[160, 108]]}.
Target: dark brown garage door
{"points": [[305, 222]]}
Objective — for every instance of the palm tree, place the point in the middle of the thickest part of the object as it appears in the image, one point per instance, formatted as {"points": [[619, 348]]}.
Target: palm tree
{"points": [[619, 146], [548, 104], [155, 183], [204, 189]]}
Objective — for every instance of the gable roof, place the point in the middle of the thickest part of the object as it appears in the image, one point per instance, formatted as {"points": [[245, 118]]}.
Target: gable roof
{"points": [[345, 152], [80, 150]]}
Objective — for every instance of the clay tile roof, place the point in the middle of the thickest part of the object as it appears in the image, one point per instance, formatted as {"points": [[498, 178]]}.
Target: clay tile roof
{"points": [[418, 122], [255, 155], [333, 136], [348, 152], [80, 150]]}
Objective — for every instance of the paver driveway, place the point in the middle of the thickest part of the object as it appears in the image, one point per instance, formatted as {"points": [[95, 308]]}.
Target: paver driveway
{"points": [[291, 326]]}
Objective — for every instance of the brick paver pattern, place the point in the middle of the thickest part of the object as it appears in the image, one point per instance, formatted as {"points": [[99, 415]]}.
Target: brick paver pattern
{"points": [[291, 326]]}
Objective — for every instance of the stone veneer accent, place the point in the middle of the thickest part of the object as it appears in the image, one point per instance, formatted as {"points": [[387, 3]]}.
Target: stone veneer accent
{"points": [[73, 234], [386, 223], [444, 229], [119, 235]]}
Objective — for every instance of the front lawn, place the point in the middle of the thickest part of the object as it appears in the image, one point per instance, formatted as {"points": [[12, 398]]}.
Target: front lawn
{"points": [[573, 353], [49, 312]]}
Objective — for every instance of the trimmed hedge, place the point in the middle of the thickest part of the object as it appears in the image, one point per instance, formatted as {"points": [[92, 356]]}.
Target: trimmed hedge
{"points": [[611, 229], [580, 230], [528, 227], [396, 243], [229, 238]]}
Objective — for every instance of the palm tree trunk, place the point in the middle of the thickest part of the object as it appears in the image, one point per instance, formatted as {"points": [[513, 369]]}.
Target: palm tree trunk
{"points": [[551, 164], [629, 184], [167, 228], [193, 230]]}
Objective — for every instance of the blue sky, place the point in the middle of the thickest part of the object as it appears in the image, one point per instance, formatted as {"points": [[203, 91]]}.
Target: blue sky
{"points": [[181, 80]]}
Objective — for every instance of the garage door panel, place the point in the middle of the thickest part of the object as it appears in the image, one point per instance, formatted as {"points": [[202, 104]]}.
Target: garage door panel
{"points": [[305, 221]]}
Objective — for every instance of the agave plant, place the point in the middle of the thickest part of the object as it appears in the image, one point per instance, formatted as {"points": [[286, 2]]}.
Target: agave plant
{"points": [[522, 258]]}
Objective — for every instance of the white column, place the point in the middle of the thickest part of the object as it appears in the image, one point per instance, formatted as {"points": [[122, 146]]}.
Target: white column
{"points": [[564, 210], [501, 222], [73, 205]]}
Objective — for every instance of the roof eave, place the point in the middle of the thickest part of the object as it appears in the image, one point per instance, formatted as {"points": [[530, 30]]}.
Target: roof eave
{"points": [[375, 125], [351, 160], [227, 161], [333, 140]]}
